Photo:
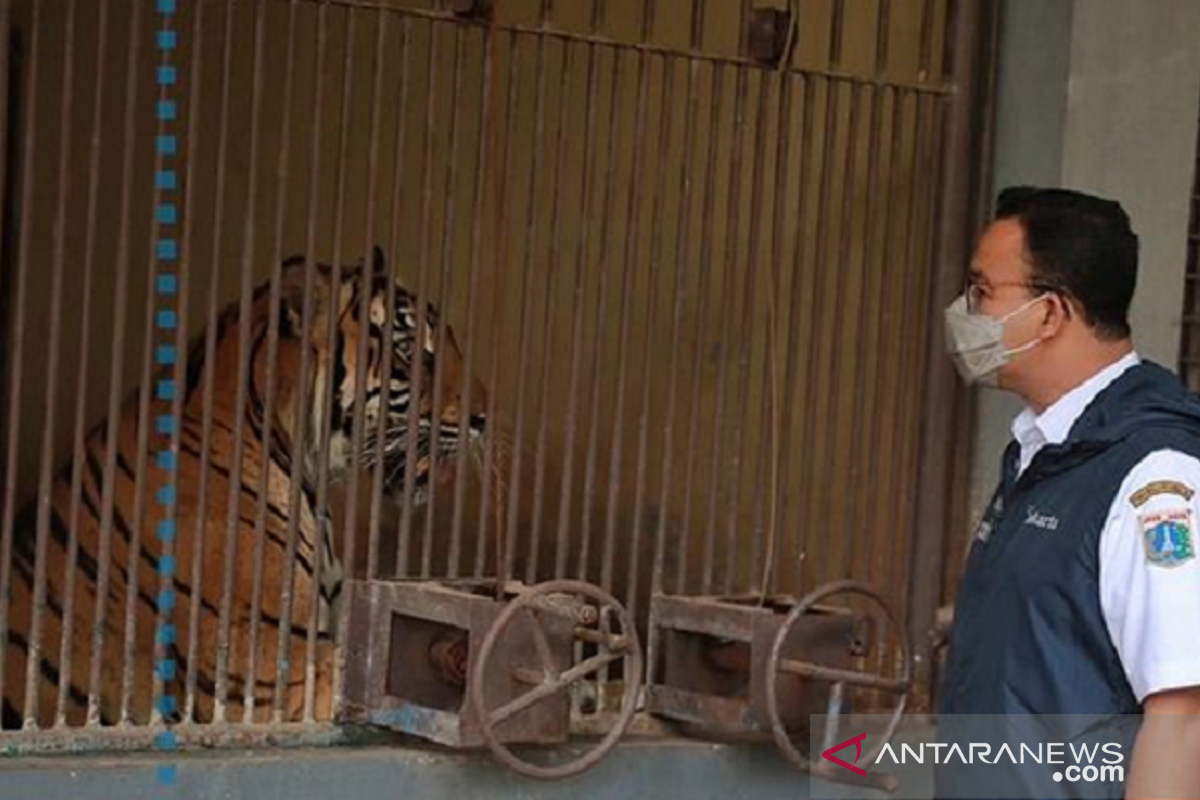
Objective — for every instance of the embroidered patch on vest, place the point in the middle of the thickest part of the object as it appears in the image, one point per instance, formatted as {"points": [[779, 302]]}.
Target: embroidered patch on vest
{"points": [[1140, 497], [1167, 537]]}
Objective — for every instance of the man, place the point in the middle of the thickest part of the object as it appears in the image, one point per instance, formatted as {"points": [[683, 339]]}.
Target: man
{"points": [[1081, 592]]}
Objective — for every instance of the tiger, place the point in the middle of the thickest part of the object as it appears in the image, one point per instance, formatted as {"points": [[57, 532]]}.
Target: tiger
{"points": [[317, 574]]}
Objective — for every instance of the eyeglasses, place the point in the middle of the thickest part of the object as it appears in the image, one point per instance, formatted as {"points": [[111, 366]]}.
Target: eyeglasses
{"points": [[975, 292]]}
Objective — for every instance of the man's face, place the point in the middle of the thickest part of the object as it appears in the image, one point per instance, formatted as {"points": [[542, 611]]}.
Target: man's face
{"points": [[1000, 283]]}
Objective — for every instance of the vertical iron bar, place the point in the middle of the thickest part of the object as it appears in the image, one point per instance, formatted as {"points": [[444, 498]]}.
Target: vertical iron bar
{"points": [[108, 500], [926, 39], [811, 332], [883, 38], [477, 201], [67, 648], [198, 540], [445, 292], [18, 337], [245, 376], [936, 439], [364, 320], [33, 665], [589, 481], [491, 458], [772, 398], [332, 392], [634, 202], [310, 426], [635, 561], [554, 254], [265, 461], [702, 324], [418, 347], [560, 569], [531, 232]]}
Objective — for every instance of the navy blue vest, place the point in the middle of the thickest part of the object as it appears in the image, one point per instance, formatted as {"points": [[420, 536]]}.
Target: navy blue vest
{"points": [[1029, 636]]}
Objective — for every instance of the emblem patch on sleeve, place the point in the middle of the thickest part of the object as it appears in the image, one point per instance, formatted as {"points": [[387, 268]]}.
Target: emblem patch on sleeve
{"points": [[1168, 537], [1153, 488]]}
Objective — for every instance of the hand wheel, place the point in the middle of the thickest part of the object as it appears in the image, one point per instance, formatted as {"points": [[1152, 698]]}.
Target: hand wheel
{"points": [[840, 678], [593, 623]]}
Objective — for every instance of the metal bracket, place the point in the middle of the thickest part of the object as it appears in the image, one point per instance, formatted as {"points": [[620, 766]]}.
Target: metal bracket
{"points": [[767, 34]]}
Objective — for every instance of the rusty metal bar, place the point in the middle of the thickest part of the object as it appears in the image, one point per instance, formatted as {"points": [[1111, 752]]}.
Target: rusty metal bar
{"points": [[926, 39], [108, 500], [308, 322], [883, 39], [36, 632], [837, 34], [422, 297], [367, 287], [692, 54], [771, 552], [589, 492], [680, 277], [389, 318], [867, 425], [376, 487], [539, 481], [67, 650], [267, 440], [444, 295], [245, 375], [477, 199], [560, 569], [811, 428], [772, 401], [335, 283], [497, 326], [936, 440], [634, 202], [531, 230], [198, 540], [635, 561]]}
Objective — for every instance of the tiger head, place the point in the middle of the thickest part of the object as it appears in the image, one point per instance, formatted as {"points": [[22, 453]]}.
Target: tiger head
{"points": [[441, 409]]}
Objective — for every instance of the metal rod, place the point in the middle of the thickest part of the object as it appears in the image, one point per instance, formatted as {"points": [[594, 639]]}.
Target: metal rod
{"points": [[772, 393], [198, 539], [727, 294], [416, 375], [926, 39], [589, 485], [18, 330], [690, 54], [837, 34], [936, 441], [883, 39], [527, 273], [367, 293], [664, 140], [36, 632], [491, 439], [560, 569], [115, 389], [245, 375], [809, 319], [553, 260], [634, 203], [283, 587], [309, 322], [333, 319], [444, 294], [685, 185], [481, 172], [68, 643]]}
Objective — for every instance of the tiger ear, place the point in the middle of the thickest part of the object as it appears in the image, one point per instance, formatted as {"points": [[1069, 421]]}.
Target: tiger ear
{"points": [[291, 317]]}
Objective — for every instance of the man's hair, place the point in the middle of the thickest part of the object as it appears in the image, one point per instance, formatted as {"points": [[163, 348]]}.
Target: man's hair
{"points": [[1082, 246]]}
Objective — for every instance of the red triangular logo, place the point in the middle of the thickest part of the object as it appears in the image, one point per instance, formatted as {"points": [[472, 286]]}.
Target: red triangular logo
{"points": [[857, 742]]}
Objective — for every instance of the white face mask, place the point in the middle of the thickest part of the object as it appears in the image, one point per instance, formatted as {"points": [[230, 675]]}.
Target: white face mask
{"points": [[975, 342]]}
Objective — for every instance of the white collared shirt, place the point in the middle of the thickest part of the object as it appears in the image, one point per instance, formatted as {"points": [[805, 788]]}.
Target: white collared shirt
{"points": [[1152, 611]]}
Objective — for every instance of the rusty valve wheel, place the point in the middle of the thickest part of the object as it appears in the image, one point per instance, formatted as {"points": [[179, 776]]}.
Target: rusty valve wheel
{"points": [[565, 599], [839, 678]]}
